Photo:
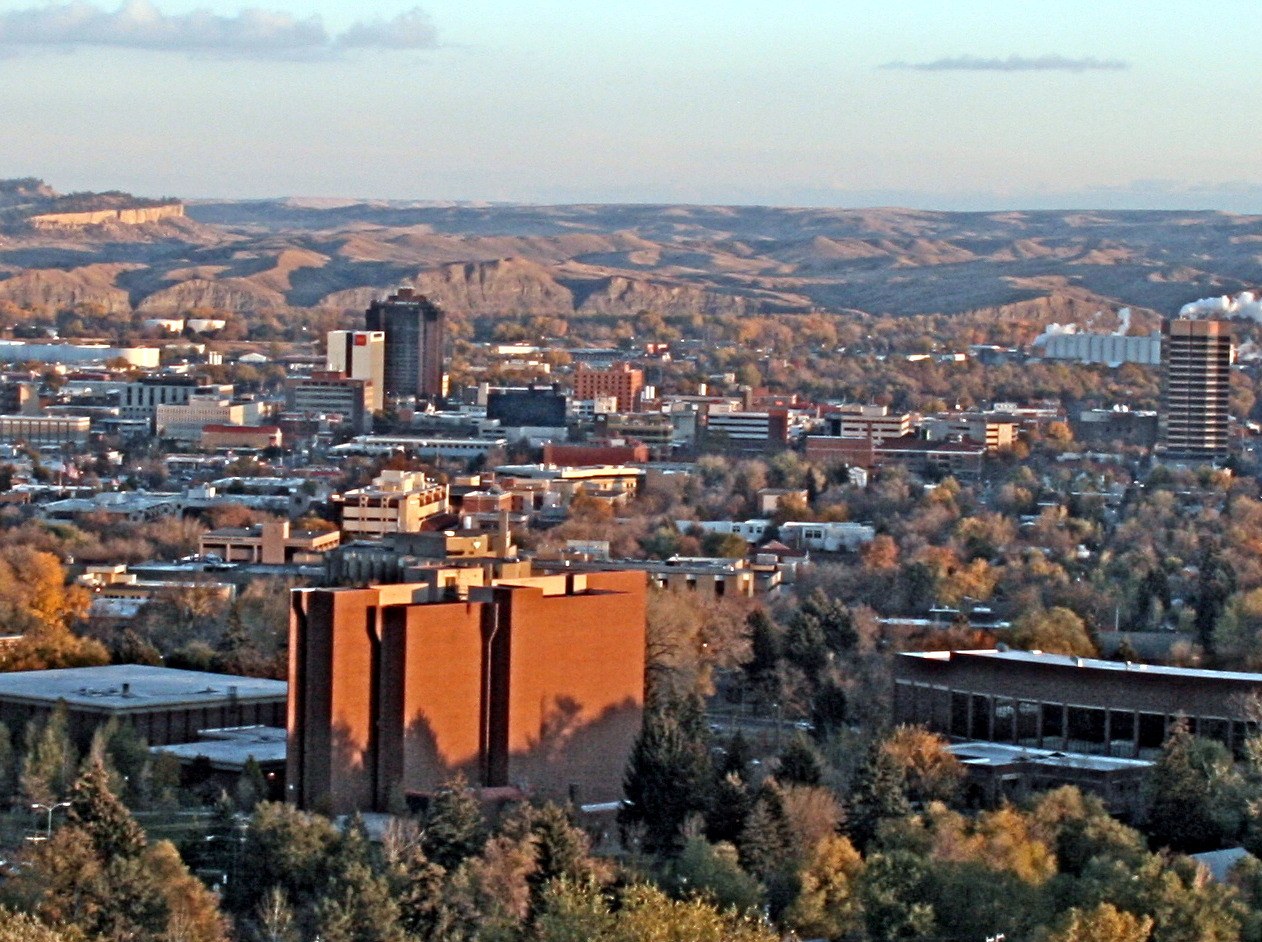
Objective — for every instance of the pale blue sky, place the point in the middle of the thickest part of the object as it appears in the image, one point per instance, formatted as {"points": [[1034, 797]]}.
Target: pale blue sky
{"points": [[1112, 103]]}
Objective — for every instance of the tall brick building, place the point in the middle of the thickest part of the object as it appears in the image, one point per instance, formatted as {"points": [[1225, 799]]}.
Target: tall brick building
{"points": [[622, 381], [536, 682]]}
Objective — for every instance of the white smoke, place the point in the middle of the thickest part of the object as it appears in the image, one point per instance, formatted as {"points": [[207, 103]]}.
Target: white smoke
{"points": [[1059, 330], [1053, 330], [1245, 304]]}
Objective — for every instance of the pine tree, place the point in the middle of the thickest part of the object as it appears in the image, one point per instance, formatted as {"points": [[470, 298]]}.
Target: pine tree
{"points": [[766, 842], [800, 763], [453, 828], [730, 809], [8, 766], [669, 775], [93, 807], [48, 767], [878, 794], [1182, 796]]}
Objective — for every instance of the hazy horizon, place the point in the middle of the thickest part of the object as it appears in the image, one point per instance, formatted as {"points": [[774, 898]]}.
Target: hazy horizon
{"points": [[979, 106]]}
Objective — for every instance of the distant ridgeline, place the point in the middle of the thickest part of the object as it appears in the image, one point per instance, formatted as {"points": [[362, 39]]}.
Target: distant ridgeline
{"points": [[32, 202], [134, 216]]}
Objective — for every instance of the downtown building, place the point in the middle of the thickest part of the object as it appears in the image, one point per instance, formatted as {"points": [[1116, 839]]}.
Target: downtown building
{"points": [[412, 327], [1194, 419], [533, 684]]}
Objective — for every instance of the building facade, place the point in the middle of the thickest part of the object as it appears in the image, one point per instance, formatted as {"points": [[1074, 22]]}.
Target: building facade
{"points": [[536, 683], [45, 429], [622, 381], [1194, 420], [360, 354], [413, 328], [1068, 704], [395, 502]]}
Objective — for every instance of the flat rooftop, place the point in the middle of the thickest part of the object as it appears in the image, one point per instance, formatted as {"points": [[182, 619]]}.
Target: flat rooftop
{"points": [[231, 748], [1001, 754], [126, 687], [1086, 663]]}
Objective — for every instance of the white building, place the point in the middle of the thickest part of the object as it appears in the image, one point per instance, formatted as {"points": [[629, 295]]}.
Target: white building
{"points": [[827, 537], [1109, 349], [76, 354], [751, 531], [360, 354]]}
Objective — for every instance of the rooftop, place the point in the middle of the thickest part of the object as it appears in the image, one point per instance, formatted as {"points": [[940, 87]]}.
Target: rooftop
{"points": [[231, 748], [1087, 663], [993, 753], [120, 687]]}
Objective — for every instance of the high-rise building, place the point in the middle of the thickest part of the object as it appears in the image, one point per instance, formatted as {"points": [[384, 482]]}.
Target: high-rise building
{"points": [[360, 354], [1196, 358], [534, 683], [413, 328], [621, 380]]}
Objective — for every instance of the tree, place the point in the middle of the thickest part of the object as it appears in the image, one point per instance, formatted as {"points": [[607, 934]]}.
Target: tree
{"points": [[826, 904], [1053, 631], [356, 904], [1102, 923], [48, 766], [800, 763], [94, 808], [8, 766], [1190, 794], [713, 872], [930, 770], [20, 927], [877, 795], [453, 828], [893, 894], [668, 775]]}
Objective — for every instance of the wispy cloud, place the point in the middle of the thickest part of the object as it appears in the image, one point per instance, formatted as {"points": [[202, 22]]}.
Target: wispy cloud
{"points": [[1013, 64], [250, 33]]}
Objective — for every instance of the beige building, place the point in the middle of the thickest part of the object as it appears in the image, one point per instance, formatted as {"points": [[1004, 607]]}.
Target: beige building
{"points": [[45, 429], [272, 543], [395, 502], [872, 422], [185, 422]]}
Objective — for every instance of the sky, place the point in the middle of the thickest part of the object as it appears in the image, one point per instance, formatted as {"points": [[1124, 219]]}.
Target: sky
{"points": [[934, 104]]}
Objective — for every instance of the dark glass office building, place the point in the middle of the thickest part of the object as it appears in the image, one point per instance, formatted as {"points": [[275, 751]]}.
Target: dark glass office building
{"points": [[413, 326]]}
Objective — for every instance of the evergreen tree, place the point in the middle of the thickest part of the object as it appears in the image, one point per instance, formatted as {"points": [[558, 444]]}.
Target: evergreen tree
{"points": [[416, 883], [1185, 811], [8, 767], [736, 757], [877, 794], [766, 842], [356, 905], [453, 828], [730, 809], [48, 766], [669, 775], [95, 808], [800, 763]]}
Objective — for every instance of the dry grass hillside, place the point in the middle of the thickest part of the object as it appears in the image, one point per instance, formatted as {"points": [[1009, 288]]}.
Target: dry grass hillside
{"points": [[521, 260]]}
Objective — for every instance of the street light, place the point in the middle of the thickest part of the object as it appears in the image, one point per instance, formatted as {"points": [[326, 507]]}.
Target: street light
{"points": [[36, 806]]}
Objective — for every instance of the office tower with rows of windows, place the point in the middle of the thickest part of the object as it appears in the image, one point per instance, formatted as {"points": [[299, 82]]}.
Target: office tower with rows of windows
{"points": [[1196, 358], [413, 328]]}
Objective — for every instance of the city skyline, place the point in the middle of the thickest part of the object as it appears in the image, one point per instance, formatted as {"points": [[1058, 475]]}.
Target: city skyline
{"points": [[982, 106]]}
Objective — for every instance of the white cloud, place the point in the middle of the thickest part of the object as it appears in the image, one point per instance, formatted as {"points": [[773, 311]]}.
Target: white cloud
{"points": [[411, 30], [1050, 63], [254, 33]]}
